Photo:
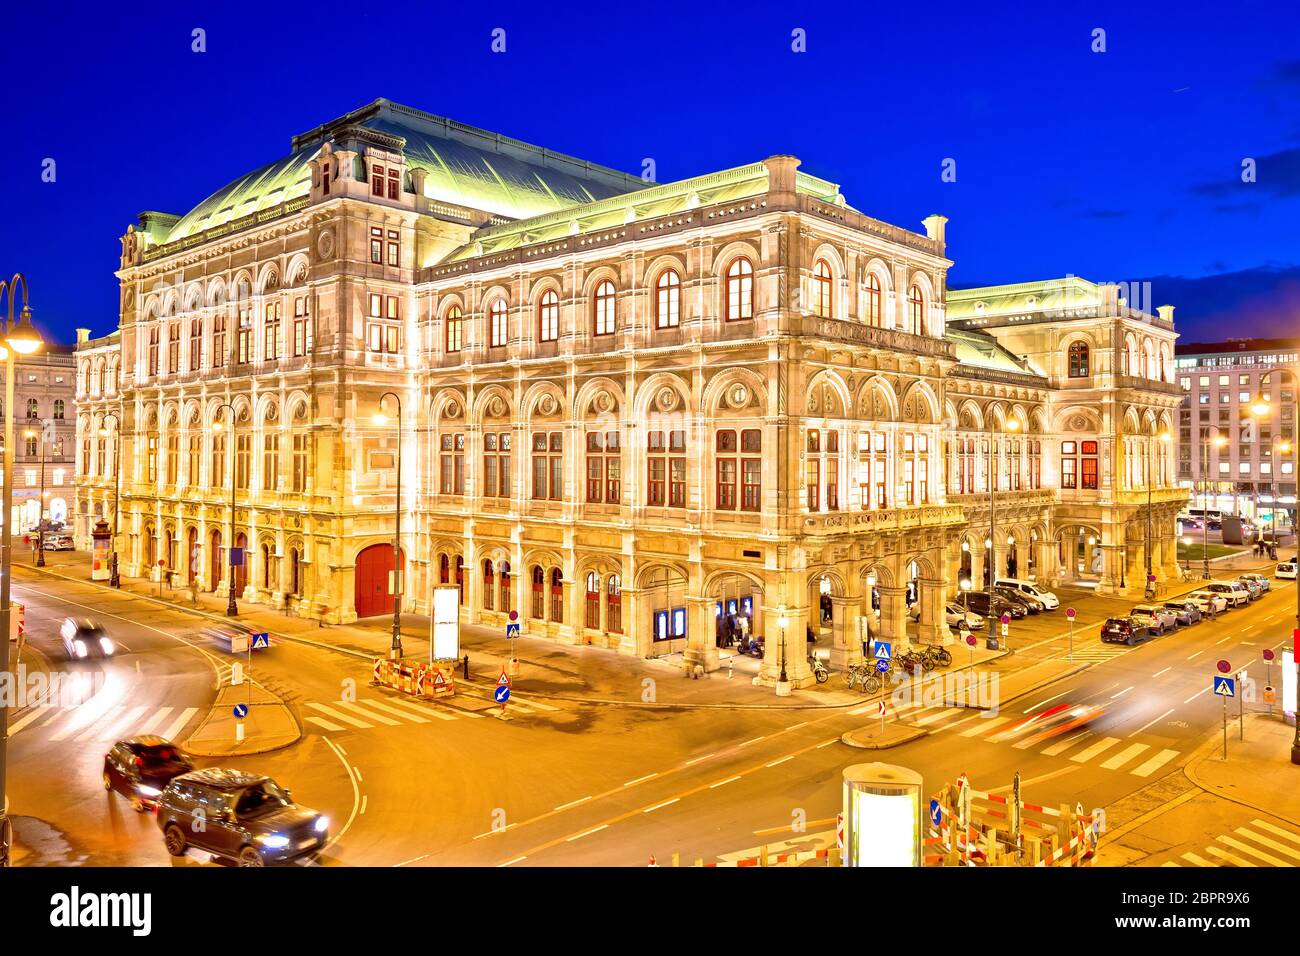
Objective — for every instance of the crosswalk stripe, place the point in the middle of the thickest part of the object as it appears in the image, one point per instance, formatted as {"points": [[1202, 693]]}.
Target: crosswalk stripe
{"points": [[1246, 848], [932, 718], [1154, 764], [352, 721], [179, 723], [1104, 744], [1271, 844], [1230, 857], [1198, 860], [109, 728], [1277, 831], [380, 705], [462, 711], [1170, 863], [148, 726], [71, 727], [534, 703], [985, 726], [979, 714], [422, 711], [35, 714], [356, 708], [1124, 756], [1059, 748], [323, 723]]}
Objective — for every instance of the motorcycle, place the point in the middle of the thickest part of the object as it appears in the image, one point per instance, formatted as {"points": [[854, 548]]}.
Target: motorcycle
{"points": [[819, 669], [753, 648]]}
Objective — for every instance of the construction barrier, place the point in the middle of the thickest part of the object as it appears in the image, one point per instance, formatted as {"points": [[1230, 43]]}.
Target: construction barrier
{"points": [[831, 855], [419, 679]]}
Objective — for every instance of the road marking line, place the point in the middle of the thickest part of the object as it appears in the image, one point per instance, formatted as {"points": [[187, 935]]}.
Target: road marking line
{"points": [[1265, 825], [572, 803], [356, 708], [1230, 857], [965, 720], [406, 715], [424, 711], [833, 740], [323, 723], [490, 832], [112, 726], [356, 792], [148, 726], [1058, 749], [32, 717], [414, 859], [1198, 694], [1271, 844], [338, 716], [365, 801], [1194, 656], [648, 776], [1044, 703], [723, 783], [518, 859], [585, 833], [1224, 641], [802, 723], [937, 715], [985, 726], [1104, 744], [1154, 764], [1170, 863], [1146, 725], [1246, 848], [753, 741], [179, 723], [860, 710], [660, 806], [1121, 693], [532, 703], [697, 760], [781, 760], [1158, 673], [357, 771], [1198, 860]]}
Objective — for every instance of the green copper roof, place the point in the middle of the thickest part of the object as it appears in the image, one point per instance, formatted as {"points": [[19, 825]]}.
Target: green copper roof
{"points": [[1046, 295], [982, 350], [728, 185], [466, 166]]}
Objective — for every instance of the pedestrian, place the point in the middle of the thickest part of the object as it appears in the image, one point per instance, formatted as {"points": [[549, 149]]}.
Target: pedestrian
{"points": [[729, 631], [812, 638]]}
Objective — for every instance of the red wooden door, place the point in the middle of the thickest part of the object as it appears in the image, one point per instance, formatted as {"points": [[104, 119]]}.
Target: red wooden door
{"points": [[371, 593]]}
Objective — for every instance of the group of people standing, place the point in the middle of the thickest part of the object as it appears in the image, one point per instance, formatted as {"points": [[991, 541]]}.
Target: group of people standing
{"points": [[733, 629]]}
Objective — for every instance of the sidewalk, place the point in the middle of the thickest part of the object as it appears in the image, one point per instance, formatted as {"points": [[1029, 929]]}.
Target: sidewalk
{"points": [[1258, 772], [270, 725]]}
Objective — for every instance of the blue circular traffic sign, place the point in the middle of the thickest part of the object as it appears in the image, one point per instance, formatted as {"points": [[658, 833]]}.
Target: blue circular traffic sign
{"points": [[882, 666], [240, 711]]}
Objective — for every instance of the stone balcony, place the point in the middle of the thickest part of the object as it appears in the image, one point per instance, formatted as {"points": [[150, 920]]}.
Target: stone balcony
{"points": [[883, 521]]}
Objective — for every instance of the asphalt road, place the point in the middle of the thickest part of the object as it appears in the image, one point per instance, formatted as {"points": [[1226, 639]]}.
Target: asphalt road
{"points": [[562, 783]]}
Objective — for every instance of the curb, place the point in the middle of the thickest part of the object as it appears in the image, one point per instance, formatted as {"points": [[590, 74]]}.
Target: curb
{"points": [[911, 733], [1200, 756]]}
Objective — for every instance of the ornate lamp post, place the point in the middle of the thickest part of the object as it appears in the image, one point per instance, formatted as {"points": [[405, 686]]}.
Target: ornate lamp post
{"points": [[115, 579], [395, 651], [231, 607], [1013, 425], [21, 338]]}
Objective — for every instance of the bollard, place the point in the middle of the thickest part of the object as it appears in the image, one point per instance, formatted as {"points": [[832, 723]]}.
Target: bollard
{"points": [[762, 856], [465, 667], [677, 859], [730, 668]]}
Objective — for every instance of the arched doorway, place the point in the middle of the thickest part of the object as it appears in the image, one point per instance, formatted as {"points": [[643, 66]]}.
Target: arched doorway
{"points": [[241, 571], [192, 555], [371, 595], [215, 568], [147, 549], [663, 591], [737, 603]]}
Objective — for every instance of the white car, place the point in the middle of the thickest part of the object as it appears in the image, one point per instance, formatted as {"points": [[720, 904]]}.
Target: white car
{"points": [[83, 638], [1286, 570], [1209, 601], [1050, 601], [1234, 591]]}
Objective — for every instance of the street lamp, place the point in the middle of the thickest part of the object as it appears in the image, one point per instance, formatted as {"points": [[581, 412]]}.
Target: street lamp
{"points": [[231, 607], [1261, 407], [1187, 543], [1164, 437], [380, 418], [1013, 425], [21, 338], [115, 579], [40, 512], [1219, 441], [781, 622]]}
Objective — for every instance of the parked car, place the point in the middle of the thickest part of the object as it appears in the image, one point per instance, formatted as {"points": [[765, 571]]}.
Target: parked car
{"points": [[1264, 583], [1212, 601], [57, 541], [84, 638], [1253, 588], [140, 767], [1187, 611], [979, 604], [1157, 618], [1234, 591], [1286, 571], [1124, 630], [958, 615], [247, 817], [1049, 600], [1032, 604]]}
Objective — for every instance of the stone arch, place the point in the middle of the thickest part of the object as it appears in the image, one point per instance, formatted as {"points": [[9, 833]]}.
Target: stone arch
{"points": [[824, 388], [719, 398], [970, 416], [658, 266], [194, 297], [297, 271], [216, 292], [647, 401], [730, 253], [592, 394], [917, 396], [538, 397], [877, 400], [1076, 418], [268, 279], [448, 404]]}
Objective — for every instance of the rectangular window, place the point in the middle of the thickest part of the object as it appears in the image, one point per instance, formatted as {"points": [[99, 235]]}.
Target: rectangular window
{"points": [[244, 336], [548, 466], [195, 460], [271, 336], [173, 457], [243, 456], [377, 180], [301, 327], [394, 247], [270, 463], [452, 464], [383, 330], [376, 245], [218, 469], [153, 350], [173, 348], [196, 344], [300, 462], [218, 341], [1068, 476]]}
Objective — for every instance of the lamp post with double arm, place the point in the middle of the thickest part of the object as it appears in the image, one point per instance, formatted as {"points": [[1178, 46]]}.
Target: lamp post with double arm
{"points": [[20, 338], [395, 650], [1013, 425], [114, 578]]}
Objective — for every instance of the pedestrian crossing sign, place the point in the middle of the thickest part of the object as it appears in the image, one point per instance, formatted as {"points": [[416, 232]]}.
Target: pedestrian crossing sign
{"points": [[1225, 686], [261, 640], [512, 629], [883, 651]]}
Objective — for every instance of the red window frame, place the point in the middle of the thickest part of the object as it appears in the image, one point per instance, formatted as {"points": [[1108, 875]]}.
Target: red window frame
{"points": [[605, 314], [740, 290], [668, 300], [548, 317]]}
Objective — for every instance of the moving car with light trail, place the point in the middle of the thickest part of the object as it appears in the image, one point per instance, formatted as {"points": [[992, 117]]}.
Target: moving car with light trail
{"points": [[140, 767], [84, 638]]}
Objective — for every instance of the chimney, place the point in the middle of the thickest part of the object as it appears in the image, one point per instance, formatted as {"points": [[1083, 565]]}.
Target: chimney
{"points": [[83, 336], [780, 177], [1166, 313], [934, 228]]}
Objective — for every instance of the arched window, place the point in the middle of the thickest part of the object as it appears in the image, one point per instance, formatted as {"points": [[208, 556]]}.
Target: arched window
{"points": [[668, 301], [266, 567], [614, 605], [196, 343], [1079, 364], [821, 290], [591, 606], [557, 596], [32, 408], [740, 290], [874, 312], [58, 409], [916, 310], [460, 579], [455, 323], [507, 599], [295, 572], [548, 317], [605, 298], [497, 324], [444, 570], [538, 611], [489, 584]]}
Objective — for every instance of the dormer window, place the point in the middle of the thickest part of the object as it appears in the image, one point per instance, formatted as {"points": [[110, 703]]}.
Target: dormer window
{"points": [[381, 175]]}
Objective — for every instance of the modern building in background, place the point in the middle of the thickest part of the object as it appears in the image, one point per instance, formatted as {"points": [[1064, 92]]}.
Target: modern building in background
{"points": [[626, 409], [1252, 470], [45, 430]]}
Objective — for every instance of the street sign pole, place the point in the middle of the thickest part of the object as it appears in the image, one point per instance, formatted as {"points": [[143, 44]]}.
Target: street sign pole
{"points": [[1241, 707], [1069, 616], [1225, 728]]}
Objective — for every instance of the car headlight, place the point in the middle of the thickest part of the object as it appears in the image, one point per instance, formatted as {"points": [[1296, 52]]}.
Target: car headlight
{"points": [[106, 645], [148, 791], [273, 840], [81, 648], [322, 824]]}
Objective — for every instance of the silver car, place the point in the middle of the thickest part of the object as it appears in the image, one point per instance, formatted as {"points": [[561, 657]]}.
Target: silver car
{"points": [[1187, 611], [1155, 617]]}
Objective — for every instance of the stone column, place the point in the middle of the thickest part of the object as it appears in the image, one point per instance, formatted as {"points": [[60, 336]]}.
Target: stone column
{"points": [[844, 627], [636, 624], [933, 626], [701, 634], [893, 614], [796, 647]]}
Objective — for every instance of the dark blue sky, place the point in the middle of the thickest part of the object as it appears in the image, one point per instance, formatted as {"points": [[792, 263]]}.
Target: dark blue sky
{"points": [[1117, 166]]}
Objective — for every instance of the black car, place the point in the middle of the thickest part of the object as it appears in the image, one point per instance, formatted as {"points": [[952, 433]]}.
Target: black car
{"points": [[1123, 630], [979, 604], [140, 767], [245, 817], [1012, 596]]}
